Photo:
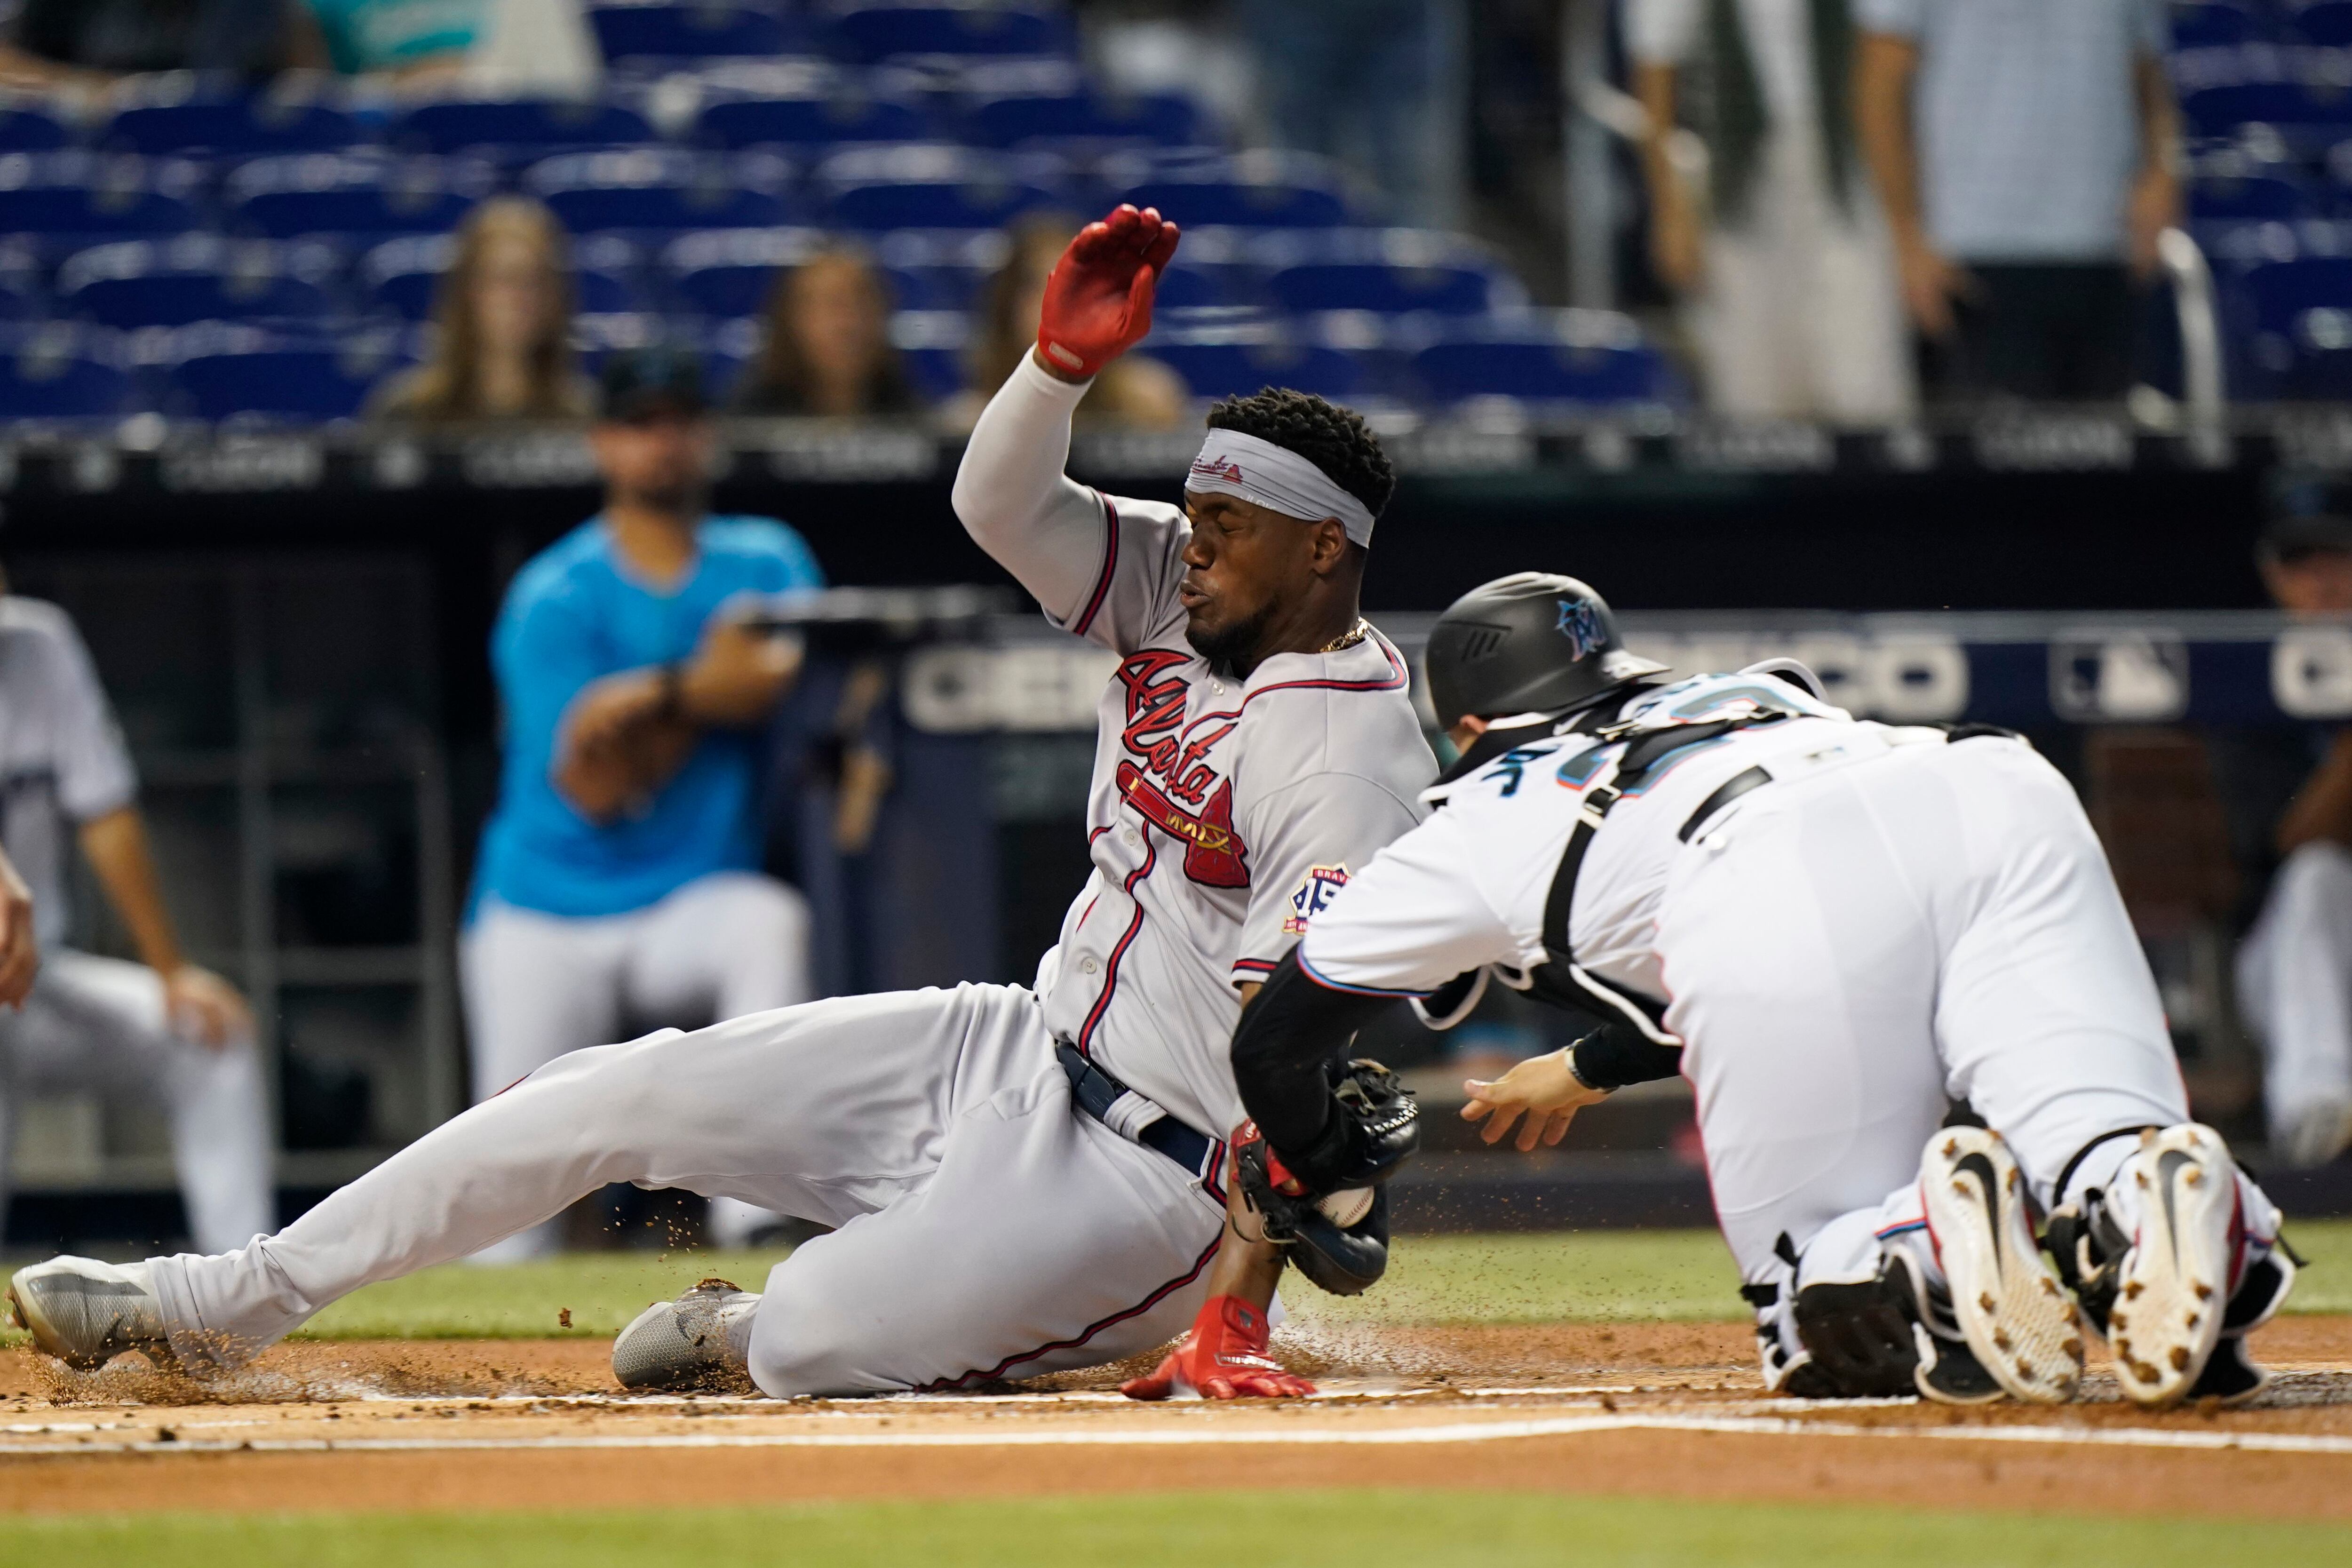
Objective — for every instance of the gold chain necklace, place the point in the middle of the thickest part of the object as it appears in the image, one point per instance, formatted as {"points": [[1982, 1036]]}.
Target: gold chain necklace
{"points": [[1348, 638]]}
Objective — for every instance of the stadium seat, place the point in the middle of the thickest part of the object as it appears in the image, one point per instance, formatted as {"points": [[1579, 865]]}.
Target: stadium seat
{"points": [[195, 278], [403, 275], [2327, 23], [935, 185], [1226, 361], [2243, 197], [516, 131], [706, 30], [69, 199], [28, 126], [2217, 110], [876, 32], [61, 369], [595, 337], [728, 272], [815, 121], [1253, 190], [941, 270], [357, 194], [2211, 25], [1568, 356], [2298, 320], [222, 122], [220, 369], [1164, 119], [932, 344], [661, 188]]}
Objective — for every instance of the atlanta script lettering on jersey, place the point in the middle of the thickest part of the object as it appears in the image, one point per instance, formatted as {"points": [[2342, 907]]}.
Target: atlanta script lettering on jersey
{"points": [[1170, 780]]}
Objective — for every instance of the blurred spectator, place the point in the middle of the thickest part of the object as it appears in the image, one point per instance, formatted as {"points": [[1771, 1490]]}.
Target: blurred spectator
{"points": [[2294, 968], [2028, 155], [827, 345], [501, 326], [65, 43], [618, 886], [1378, 85], [409, 42], [162, 1031], [1133, 390], [535, 47], [1788, 270]]}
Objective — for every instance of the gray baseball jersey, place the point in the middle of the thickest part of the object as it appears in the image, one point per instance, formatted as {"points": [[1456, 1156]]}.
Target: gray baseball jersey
{"points": [[62, 760], [1223, 813]]}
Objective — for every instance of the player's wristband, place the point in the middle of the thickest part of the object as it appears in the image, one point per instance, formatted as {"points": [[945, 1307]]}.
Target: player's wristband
{"points": [[1613, 1056]]}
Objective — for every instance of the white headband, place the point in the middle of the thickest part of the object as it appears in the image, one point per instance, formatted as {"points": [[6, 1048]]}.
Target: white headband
{"points": [[1278, 478]]}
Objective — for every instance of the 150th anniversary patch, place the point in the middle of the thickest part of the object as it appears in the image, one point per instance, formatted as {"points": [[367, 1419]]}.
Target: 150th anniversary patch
{"points": [[1322, 883]]}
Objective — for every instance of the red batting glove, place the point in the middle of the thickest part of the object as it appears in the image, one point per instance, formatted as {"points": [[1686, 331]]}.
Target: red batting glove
{"points": [[1222, 1358], [1099, 296]]}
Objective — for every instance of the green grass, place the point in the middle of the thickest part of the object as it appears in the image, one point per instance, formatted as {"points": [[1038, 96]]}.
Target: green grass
{"points": [[1266, 1529], [1604, 1276]]}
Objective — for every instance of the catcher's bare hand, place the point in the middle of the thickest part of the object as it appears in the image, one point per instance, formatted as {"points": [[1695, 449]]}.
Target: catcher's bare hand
{"points": [[1542, 1088]]}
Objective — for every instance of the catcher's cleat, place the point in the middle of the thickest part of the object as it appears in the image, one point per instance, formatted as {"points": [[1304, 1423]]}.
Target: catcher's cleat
{"points": [[689, 1345], [2017, 1320], [2174, 1284], [86, 1314]]}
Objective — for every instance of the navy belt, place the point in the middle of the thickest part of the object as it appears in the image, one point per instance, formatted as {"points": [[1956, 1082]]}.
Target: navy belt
{"points": [[1097, 1093], [1731, 789]]}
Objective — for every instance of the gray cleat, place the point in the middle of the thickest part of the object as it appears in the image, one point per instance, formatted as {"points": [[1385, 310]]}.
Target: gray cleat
{"points": [[688, 1345], [86, 1314]]}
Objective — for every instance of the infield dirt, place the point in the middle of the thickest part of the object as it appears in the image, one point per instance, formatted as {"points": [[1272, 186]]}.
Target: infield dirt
{"points": [[1671, 1409]]}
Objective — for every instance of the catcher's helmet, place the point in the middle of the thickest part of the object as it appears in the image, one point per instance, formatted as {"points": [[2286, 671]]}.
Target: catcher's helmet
{"points": [[1534, 642]]}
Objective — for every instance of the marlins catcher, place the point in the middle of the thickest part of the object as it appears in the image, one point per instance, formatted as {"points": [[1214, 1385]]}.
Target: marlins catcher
{"points": [[1022, 1180], [1828, 927]]}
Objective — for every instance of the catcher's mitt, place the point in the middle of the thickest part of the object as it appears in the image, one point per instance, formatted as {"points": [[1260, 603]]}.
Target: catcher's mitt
{"points": [[1330, 1209]]}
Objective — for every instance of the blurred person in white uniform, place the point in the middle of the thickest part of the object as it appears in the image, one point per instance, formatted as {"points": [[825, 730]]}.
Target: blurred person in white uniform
{"points": [[2294, 968], [1782, 256], [164, 1030]]}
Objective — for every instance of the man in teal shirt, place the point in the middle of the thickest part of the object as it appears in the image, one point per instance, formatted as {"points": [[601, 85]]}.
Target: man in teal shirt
{"points": [[619, 881], [399, 36]]}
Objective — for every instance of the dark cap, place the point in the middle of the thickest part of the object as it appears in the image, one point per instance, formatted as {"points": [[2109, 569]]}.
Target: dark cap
{"points": [[2293, 535], [664, 379], [1534, 642]]}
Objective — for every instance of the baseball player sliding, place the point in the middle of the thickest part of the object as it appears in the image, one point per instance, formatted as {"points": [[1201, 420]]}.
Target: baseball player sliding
{"points": [[1022, 1180], [1828, 927]]}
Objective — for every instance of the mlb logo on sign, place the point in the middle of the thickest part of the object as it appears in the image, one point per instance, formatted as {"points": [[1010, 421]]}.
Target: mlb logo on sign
{"points": [[1313, 896], [1580, 623]]}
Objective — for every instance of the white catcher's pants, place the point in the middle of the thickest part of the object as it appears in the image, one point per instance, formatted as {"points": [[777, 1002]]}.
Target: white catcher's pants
{"points": [[1847, 950], [96, 1026], [2295, 986], [986, 1227], [538, 985]]}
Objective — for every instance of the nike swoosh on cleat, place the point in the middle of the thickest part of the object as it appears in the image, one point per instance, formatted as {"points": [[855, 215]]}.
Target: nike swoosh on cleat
{"points": [[2170, 1161], [1981, 1167]]}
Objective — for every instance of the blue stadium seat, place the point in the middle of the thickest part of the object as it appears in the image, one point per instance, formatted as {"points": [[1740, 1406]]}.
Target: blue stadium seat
{"points": [[661, 188], [2300, 317], [195, 278], [72, 198], [1223, 363], [28, 126], [706, 30], [2240, 196], [61, 369], [357, 194], [2327, 23], [1161, 117], [1255, 190], [876, 32], [2206, 26], [941, 270], [2217, 110], [1378, 287], [597, 337], [936, 185], [221, 369], [228, 124], [1575, 356], [516, 131], [728, 272], [815, 121], [403, 275]]}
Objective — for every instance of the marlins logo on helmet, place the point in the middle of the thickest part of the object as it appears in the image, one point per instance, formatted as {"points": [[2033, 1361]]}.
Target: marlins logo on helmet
{"points": [[1581, 623]]}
